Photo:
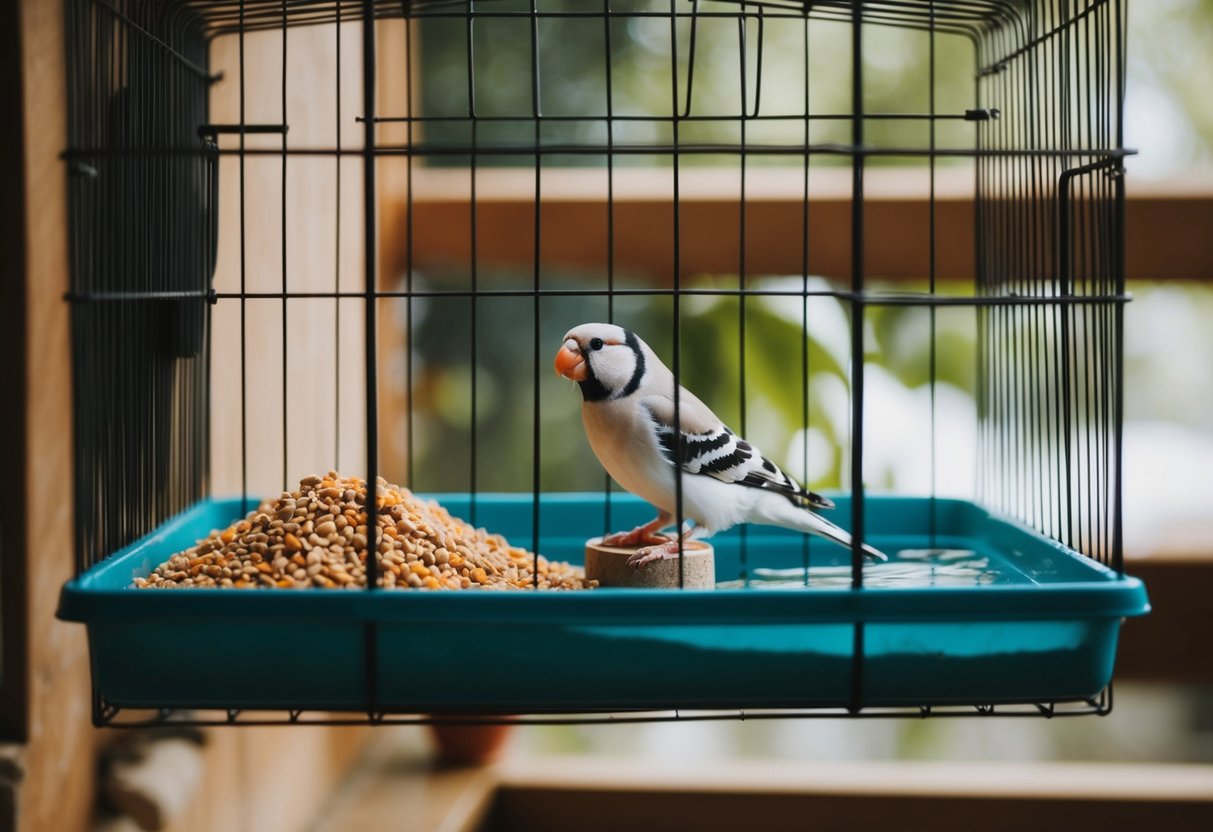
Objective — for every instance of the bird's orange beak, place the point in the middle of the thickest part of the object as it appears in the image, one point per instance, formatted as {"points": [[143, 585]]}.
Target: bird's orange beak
{"points": [[570, 363]]}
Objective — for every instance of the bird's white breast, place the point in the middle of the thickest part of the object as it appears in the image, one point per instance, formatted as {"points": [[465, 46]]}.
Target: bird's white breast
{"points": [[625, 443]]}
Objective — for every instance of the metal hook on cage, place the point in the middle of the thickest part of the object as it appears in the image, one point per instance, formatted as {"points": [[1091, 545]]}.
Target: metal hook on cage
{"points": [[536, 86], [471, 67], [741, 31], [212, 210], [686, 111]]}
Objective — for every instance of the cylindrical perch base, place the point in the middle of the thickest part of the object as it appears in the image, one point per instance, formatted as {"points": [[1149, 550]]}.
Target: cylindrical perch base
{"points": [[609, 566]]}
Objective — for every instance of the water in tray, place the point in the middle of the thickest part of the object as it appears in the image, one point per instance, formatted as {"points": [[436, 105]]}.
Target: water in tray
{"points": [[907, 568]]}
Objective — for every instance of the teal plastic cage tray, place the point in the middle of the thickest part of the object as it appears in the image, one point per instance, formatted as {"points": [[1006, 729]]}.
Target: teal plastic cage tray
{"points": [[971, 609]]}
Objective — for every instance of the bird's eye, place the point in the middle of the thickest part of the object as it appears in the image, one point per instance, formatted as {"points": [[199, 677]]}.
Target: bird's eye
{"points": [[596, 344]]}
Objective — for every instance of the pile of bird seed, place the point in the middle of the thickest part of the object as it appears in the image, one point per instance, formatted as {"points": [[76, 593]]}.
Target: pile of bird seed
{"points": [[316, 537]]}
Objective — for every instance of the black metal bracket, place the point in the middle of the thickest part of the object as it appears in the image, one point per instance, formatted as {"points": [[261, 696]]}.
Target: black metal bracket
{"points": [[213, 131], [983, 114]]}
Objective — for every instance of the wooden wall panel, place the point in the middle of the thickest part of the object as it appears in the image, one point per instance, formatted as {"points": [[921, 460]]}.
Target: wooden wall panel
{"points": [[57, 792], [323, 355]]}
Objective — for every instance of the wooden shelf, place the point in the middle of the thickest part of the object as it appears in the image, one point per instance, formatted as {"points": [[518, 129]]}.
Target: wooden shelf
{"points": [[1171, 644], [1165, 239], [595, 793]]}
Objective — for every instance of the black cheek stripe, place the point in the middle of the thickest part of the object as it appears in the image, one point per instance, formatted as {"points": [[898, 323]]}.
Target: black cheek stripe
{"points": [[592, 390], [633, 344]]}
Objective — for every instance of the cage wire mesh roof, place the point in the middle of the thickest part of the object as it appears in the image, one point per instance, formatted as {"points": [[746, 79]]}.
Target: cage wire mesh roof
{"points": [[973, 18]]}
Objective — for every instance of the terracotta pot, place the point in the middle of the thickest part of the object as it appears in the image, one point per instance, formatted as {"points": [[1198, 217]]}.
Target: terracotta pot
{"points": [[473, 744]]}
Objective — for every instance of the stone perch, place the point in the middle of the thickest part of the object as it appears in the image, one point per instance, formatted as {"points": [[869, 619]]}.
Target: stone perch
{"points": [[609, 566]]}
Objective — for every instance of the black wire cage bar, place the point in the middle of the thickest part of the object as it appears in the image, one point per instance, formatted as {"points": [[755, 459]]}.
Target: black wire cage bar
{"points": [[1041, 134]]}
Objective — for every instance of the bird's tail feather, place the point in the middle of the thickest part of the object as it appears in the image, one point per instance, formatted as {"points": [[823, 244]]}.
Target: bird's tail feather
{"points": [[782, 512], [842, 537]]}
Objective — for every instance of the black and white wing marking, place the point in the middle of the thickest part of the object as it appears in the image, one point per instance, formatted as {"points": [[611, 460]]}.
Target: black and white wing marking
{"points": [[720, 453]]}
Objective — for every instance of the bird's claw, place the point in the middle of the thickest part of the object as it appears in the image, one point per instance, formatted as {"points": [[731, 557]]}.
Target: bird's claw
{"points": [[636, 537], [648, 554]]}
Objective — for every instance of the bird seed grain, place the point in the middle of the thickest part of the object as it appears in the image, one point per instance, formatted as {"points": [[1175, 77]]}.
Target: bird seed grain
{"points": [[316, 536]]}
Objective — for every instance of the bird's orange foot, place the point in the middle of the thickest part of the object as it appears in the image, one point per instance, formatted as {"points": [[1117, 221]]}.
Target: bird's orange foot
{"points": [[639, 536], [648, 554]]}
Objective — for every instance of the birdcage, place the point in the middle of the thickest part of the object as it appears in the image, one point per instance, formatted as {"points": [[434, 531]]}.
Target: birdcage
{"points": [[350, 235]]}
